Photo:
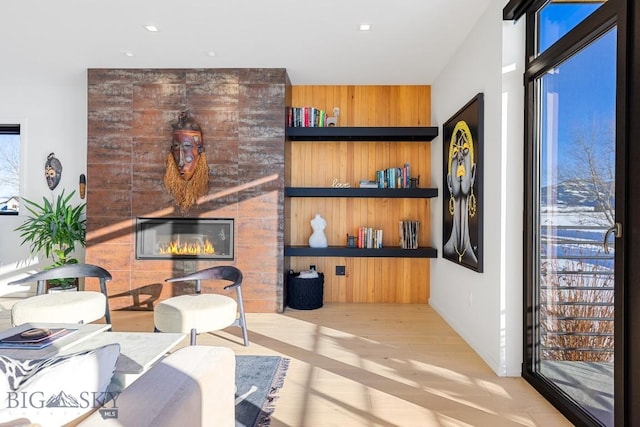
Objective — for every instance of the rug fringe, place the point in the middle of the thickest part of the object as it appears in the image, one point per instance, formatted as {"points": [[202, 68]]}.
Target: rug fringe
{"points": [[264, 419]]}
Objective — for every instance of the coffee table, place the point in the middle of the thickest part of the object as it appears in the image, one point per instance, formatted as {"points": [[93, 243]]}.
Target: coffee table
{"points": [[138, 350]]}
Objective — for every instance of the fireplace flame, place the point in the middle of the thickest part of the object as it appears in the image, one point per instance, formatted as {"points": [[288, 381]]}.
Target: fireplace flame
{"points": [[187, 248]]}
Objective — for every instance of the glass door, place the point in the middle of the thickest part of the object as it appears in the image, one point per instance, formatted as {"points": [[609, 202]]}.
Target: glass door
{"points": [[572, 226]]}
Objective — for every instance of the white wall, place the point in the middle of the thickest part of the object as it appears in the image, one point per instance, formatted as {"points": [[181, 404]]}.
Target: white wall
{"points": [[53, 118], [486, 308]]}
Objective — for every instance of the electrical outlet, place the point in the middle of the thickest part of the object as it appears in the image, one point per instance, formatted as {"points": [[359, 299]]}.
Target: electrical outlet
{"points": [[341, 270]]}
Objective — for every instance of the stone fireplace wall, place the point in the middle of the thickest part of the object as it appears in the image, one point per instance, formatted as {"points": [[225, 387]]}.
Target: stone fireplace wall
{"points": [[242, 116]]}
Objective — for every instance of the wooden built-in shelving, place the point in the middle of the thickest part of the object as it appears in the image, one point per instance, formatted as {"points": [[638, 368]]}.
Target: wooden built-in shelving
{"points": [[378, 127]]}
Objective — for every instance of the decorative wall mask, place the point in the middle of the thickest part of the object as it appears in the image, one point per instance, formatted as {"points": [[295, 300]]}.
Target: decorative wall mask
{"points": [[52, 171], [82, 185], [187, 172]]}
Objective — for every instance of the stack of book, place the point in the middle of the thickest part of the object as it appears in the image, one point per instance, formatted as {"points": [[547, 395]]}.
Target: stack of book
{"points": [[306, 117], [409, 234], [394, 177], [369, 238], [34, 338], [365, 183]]}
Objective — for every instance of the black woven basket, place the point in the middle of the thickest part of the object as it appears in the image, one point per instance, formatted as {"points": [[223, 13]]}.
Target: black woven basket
{"points": [[305, 294]]}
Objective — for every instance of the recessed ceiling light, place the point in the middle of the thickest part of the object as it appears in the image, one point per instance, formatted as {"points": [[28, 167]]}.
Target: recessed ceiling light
{"points": [[152, 28], [365, 27], [211, 53], [127, 53]]}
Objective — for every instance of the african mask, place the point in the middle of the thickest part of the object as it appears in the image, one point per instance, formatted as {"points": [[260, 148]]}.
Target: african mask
{"points": [[187, 145], [187, 173], [52, 171]]}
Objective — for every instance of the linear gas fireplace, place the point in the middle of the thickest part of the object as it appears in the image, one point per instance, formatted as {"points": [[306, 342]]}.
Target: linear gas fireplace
{"points": [[184, 238]]}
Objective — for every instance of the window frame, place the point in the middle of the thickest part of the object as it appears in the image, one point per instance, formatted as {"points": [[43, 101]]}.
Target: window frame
{"points": [[11, 128]]}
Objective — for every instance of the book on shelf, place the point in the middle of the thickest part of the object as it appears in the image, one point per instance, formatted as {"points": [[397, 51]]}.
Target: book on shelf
{"points": [[368, 184], [408, 231], [306, 117], [369, 238], [394, 177], [35, 338]]}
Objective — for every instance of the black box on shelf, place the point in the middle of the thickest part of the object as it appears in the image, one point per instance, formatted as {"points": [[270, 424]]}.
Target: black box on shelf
{"points": [[305, 293]]}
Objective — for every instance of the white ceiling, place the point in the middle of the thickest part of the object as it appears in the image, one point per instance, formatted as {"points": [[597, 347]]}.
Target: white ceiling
{"points": [[318, 41]]}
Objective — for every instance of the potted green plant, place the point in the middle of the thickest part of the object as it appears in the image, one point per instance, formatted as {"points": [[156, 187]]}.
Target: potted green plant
{"points": [[55, 228]]}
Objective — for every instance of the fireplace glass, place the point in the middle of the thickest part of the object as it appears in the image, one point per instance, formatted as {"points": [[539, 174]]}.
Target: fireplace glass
{"points": [[184, 238]]}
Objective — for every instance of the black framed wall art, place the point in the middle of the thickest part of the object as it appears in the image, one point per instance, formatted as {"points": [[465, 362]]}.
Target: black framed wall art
{"points": [[462, 190]]}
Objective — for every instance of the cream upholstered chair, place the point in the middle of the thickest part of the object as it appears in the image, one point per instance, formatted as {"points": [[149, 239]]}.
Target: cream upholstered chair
{"points": [[63, 307], [198, 313]]}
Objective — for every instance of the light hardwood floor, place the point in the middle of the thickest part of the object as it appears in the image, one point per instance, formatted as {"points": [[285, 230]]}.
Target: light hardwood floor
{"points": [[372, 365]]}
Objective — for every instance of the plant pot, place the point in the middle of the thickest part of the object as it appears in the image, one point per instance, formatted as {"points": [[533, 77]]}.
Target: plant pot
{"points": [[56, 289]]}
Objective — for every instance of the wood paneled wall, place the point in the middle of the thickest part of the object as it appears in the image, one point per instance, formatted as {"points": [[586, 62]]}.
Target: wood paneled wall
{"points": [[317, 164]]}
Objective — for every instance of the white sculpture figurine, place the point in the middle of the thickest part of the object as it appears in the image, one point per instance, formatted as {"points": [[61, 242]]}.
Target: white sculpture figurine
{"points": [[318, 239]]}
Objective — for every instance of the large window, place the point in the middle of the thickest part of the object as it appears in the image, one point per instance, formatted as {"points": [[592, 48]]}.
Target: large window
{"points": [[582, 213], [9, 169], [572, 182]]}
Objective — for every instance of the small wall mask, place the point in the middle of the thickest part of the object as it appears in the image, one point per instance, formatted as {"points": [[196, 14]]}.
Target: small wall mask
{"points": [[52, 171]]}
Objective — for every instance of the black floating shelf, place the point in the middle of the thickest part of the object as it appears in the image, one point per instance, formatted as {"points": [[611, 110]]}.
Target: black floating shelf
{"points": [[362, 133], [405, 193], [343, 251]]}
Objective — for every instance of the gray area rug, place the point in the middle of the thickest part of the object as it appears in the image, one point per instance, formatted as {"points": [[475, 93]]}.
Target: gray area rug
{"points": [[258, 379]]}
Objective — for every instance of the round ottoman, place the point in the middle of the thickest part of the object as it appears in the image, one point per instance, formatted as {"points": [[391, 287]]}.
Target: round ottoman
{"points": [[195, 314], [60, 307]]}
